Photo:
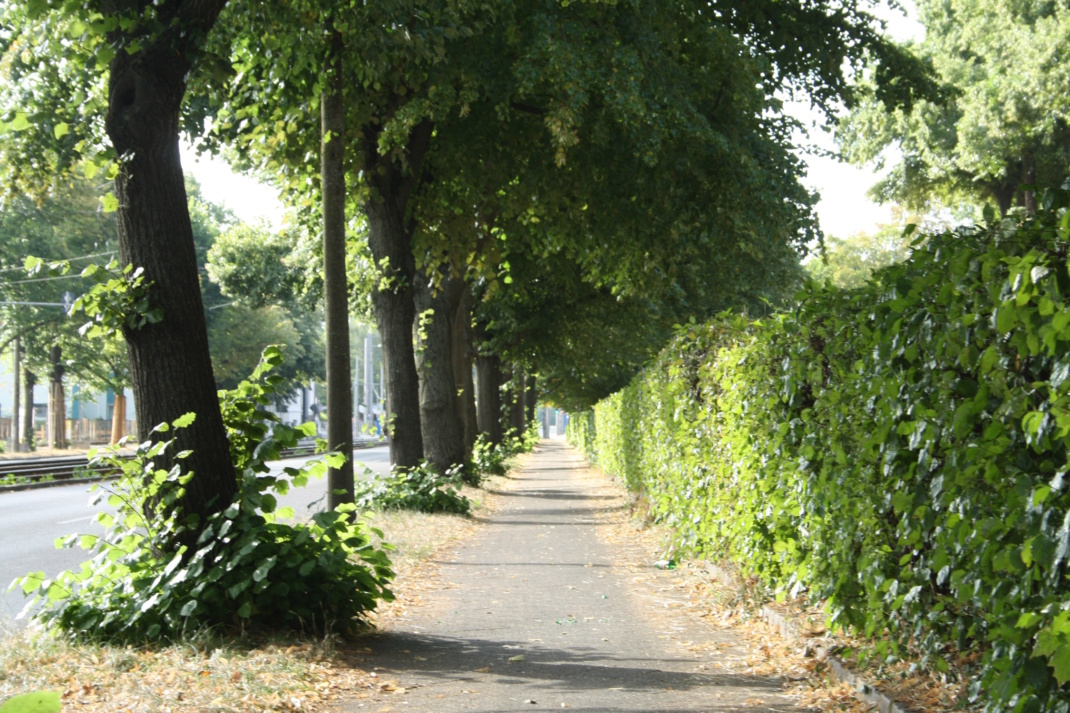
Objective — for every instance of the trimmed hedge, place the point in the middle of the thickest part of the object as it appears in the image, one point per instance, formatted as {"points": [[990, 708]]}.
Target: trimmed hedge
{"points": [[898, 451]]}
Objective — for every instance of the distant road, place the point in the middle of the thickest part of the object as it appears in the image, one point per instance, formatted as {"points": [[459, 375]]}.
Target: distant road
{"points": [[31, 520]]}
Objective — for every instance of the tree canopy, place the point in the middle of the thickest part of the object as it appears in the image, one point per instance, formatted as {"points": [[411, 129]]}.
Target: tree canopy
{"points": [[1003, 119]]}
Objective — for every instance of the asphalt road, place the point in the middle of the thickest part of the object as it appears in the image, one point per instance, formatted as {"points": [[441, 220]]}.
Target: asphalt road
{"points": [[31, 520]]}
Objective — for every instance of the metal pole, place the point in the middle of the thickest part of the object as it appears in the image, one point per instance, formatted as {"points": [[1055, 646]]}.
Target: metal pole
{"points": [[15, 446], [369, 377]]}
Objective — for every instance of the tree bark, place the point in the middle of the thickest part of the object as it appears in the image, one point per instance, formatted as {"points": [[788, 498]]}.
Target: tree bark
{"points": [[390, 240], [1029, 178], [29, 380], [170, 368], [463, 354], [531, 398], [440, 422], [489, 404], [335, 283], [516, 401], [57, 402]]}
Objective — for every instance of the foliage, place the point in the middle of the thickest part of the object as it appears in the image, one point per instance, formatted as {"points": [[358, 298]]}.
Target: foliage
{"points": [[421, 488], [247, 567], [898, 451], [489, 459], [425, 490], [238, 335], [260, 267], [67, 231], [272, 284], [848, 263], [1004, 119], [119, 300]]}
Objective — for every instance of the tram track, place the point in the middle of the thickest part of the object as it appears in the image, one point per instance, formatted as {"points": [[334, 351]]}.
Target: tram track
{"points": [[22, 473]]}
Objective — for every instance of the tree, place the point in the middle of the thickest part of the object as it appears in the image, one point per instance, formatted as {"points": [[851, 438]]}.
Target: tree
{"points": [[147, 51], [66, 226], [1003, 120], [848, 263], [574, 97], [271, 277]]}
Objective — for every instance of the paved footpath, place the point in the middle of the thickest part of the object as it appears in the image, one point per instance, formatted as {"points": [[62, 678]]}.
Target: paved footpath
{"points": [[537, 613]]}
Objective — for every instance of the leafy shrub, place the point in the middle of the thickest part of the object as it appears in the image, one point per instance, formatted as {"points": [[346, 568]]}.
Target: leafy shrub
{"points": [[421, 489], [898, 451], [425, 490], [247, 567], [489, 458]]}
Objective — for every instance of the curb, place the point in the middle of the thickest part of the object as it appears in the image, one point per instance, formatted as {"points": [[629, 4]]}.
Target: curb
{"points": [[863, 690], [36, 485]]}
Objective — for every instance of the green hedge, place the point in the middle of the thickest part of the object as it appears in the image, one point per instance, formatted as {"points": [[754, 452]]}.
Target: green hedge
{"points": [[898, 451]]}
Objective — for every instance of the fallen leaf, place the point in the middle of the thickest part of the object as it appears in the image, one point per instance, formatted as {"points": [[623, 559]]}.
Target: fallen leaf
{"points": [[485, 669], [518, 658]]}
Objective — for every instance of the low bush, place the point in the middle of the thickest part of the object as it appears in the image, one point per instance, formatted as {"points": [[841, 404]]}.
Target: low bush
{"points": [[421, 489], [425, 490], [898, 451], [247, 569], [489, 458]]}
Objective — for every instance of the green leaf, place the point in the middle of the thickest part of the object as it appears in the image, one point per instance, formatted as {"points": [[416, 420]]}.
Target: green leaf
{"points": [[1027, 620], [61, 129], [1055, 647], [35, 702], [184, 421], [109, 203], [1006, 317], [20, 122], [262, 570]]}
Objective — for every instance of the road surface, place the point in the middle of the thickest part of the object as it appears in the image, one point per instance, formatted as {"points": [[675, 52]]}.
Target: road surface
{"points": [[31, 520]]}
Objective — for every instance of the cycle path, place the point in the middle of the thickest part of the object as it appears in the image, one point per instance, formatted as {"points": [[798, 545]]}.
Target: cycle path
{"points": [[537, 612]]}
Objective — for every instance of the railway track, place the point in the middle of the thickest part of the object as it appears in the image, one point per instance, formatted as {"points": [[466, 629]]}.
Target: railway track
{"points": [[27, 471]]}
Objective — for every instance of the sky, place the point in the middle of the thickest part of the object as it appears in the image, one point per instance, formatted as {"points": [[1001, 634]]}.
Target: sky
{"points": [[843, 210]]}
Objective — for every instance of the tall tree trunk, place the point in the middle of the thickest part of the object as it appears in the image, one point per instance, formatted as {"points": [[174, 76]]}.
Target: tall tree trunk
{"points": [[118, 417], [1029, 178], [335, 287], [16, 357], [29, 380], [390, 241], [57, 402], [440, 423], [489, 404], [516, 401], [531, 398], [463, 354], [170, 368]]}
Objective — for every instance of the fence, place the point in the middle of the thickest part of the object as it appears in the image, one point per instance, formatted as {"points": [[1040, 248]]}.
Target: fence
{"points": [[81, 432]]}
